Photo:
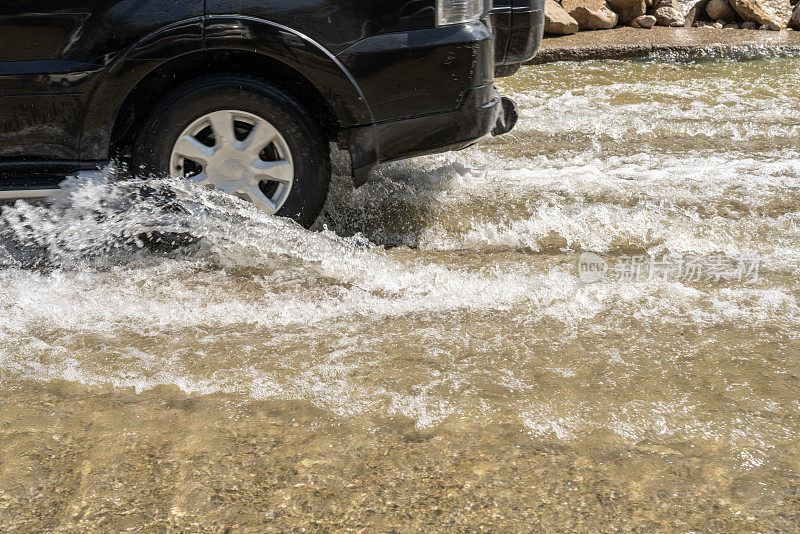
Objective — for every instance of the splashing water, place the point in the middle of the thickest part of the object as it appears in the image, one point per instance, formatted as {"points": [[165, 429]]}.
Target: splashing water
{"points": [[445, 290]]}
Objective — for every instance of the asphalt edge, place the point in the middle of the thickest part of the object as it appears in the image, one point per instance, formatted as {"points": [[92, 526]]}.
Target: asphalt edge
{"points": [[737, 51]]}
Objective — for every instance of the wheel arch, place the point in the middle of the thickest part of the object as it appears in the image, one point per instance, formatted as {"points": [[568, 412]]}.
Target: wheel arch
{"points": [[231, 44], [171, 74]]}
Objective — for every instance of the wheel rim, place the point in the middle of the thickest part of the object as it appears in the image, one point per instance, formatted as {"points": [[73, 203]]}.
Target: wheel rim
{"points": [[239, 153]]}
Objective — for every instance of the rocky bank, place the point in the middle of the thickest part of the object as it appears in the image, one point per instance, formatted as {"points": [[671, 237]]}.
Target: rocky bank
{"points": [[566, 17], [626, 42]]}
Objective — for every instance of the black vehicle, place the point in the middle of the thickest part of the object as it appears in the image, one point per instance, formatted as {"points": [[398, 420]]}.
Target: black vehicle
{"points": [[246, 95]]}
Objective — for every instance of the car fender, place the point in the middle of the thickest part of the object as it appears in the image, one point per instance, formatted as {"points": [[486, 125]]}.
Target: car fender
{"points": [[298, 51]]}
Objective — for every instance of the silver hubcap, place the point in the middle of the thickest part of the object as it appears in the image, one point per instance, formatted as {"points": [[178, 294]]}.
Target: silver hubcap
{"points": [[239, 153]]}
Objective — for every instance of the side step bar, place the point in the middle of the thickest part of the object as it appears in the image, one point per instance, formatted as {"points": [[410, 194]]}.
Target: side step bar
{"points": [[31, 180], [16, 194]]}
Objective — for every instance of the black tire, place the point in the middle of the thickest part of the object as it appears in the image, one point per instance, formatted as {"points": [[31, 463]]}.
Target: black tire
{"points": [[310, 151]]}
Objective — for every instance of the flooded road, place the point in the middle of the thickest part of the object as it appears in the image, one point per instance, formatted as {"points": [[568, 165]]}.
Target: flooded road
{"points": [[429, 358]]}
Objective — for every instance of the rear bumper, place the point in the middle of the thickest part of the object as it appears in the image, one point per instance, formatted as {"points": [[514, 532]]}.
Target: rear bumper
{"points": [[428, 91], [442, 131], [422, 135]]}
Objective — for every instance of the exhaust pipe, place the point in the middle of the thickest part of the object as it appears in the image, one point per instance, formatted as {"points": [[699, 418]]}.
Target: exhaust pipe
{"points": [[508, 118]]}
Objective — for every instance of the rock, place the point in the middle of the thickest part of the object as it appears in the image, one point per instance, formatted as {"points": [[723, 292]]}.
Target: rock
{"points": [[669, 16], [591, 14], [731, 26], [627, 9], [753, 10], [695, 13], [794, 22], [720, 9], [666, 3], [749, 25], [558, 21], [764, 27], [718, 25], [645, 21], [775, 26]]}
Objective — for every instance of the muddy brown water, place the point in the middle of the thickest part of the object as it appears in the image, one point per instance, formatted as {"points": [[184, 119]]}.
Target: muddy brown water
{"points": [[428, 359]]}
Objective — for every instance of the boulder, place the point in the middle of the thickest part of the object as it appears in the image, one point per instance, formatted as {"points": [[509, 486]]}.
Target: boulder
{"points": [[720, 9], [558, 21], [644, 21], [695, 12], [794, 22], [628, 9], [591, 14], [669, 16], [754, 10]]}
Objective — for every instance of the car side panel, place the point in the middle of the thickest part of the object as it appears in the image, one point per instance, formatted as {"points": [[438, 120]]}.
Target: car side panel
{"points": [[54, 54], [41, 108], [336, 24]]}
